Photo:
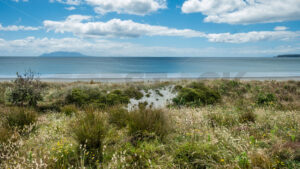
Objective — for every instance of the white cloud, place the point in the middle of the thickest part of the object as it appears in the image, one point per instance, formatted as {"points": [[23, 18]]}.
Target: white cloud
{"points": [[32, 46], [68, 2], [136, 7], [18, 28], [280, 28], [80, 25], [71, 8], [253, 36], [20, 0], [244, 11], [114, 28]]}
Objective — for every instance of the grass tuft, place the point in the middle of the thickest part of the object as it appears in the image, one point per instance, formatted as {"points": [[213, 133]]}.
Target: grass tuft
{"points": [[147, 123]]}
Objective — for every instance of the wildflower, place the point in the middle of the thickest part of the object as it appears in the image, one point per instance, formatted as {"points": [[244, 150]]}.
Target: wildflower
{"points": [[282, 163], [222, 160], [189, 134]]}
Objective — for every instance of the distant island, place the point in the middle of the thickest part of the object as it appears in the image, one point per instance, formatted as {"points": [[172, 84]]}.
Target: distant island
{"points": [[63, 54], [289, 56]]}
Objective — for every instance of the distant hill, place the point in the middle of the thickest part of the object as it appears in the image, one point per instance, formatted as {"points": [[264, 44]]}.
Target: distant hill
{"points": [[289, 56], [63, 54]]}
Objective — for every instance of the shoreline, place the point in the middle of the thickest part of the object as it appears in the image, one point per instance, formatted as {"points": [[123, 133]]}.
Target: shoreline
{"points": [[126, 80]]}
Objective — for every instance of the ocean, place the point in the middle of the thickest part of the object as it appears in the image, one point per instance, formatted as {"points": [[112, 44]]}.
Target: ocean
{"points": [[150, 67]]}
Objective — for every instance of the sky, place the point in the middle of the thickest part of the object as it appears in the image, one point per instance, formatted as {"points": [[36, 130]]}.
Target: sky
{"points": [[187, 28]]}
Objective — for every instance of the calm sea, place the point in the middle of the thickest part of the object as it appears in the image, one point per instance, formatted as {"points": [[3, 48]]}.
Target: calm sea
{"points": [[150, 67]]}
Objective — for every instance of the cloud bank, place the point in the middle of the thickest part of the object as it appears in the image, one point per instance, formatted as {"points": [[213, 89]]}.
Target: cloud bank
{"points": [[81, 25], [32, 46], [244, 11]]}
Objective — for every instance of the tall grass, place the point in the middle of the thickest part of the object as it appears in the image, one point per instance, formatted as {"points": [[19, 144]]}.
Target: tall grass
{"points": [[20, 117], [89, 132]]}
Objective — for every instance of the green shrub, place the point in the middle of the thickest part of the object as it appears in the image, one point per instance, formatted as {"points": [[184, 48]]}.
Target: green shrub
{"points": [[116, 97], [77, 97], [69, 110], [133, 93], [90, 132], [118, 116], [233, 83], [243, 160], [192, 155], [20, 117], [147, 123], [232, 87], [266, 99], [101, 99], [178, 87], [26, 90], [196, 94]]}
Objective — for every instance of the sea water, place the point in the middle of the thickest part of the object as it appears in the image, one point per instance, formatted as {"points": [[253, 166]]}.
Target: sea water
{"points": [[150, 67]]}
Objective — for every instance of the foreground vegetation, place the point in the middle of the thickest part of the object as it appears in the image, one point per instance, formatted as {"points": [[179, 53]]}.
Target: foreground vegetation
{"points": [[209, 124]]}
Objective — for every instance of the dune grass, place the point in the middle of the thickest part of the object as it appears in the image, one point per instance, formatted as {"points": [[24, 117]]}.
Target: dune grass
{"points": [[210, 124]]}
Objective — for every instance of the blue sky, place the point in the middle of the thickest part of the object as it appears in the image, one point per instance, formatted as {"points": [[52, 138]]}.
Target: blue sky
{"points": [[202, 28]]}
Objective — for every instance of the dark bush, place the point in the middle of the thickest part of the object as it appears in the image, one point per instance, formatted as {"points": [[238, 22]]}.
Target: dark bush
{"points": [[2, 94], [266, 99], [117, 97], [118, 116], [5, 135], [159, 93], [26, 90], [90, 132], [197, 94], [247, 116], [20, 117], [146, 123], [56, 107], [133, 93]]}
